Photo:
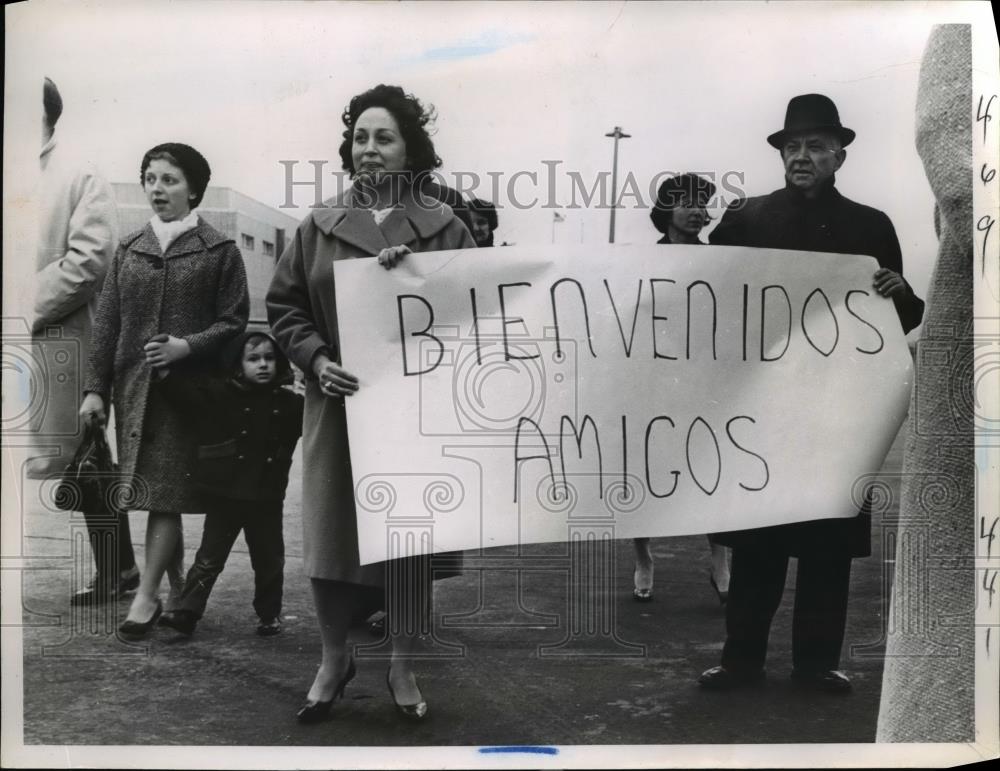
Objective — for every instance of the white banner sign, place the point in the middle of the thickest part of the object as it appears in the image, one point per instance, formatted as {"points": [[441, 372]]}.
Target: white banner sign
{"points": [[524, 395]]}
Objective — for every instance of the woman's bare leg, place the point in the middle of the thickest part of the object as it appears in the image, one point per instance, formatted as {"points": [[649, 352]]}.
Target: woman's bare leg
{"points": [[643, 576], [335, 603], [163, 534], [720, 565], [408, 607]]}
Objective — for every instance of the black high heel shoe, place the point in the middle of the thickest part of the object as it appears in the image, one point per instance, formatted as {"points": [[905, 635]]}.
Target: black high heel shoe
{"points": [[315, 711], [137, 629], [416, 711]]}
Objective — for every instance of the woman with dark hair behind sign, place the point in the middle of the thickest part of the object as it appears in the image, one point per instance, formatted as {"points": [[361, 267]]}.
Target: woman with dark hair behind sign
{"points": [[680, 214], [483, 218], [385, 214]]}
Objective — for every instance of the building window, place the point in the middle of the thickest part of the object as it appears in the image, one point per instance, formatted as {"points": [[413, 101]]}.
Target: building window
{"points": [[248, 242], [268, 248]]}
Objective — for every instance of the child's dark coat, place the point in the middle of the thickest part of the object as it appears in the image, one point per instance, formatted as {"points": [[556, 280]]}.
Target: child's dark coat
{"points": [[246, 434]]}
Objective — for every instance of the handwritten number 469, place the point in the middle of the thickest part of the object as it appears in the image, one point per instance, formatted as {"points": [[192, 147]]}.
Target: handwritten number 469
{"points": [[986, 175]]}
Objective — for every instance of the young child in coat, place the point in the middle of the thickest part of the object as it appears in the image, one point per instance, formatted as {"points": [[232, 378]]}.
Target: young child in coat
{"points": [[247, 426]]}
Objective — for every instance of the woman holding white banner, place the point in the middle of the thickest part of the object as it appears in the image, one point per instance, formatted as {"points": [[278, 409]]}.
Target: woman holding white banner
{"points": [[389, 154], [680, 214]]}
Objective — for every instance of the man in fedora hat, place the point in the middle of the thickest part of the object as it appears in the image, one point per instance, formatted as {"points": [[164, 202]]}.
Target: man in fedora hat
{"points": [[808, 214]]}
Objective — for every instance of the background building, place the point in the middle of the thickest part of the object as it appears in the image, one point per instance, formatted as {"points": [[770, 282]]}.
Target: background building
{"points": [[258, 230]]}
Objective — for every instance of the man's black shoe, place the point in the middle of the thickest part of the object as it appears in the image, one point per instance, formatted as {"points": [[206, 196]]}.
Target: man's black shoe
{"points": [[722, 679], [830, 680], [98, 594]]}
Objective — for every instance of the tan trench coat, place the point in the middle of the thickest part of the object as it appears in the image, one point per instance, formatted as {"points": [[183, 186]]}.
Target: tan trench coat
{"points": [[77, 237]]}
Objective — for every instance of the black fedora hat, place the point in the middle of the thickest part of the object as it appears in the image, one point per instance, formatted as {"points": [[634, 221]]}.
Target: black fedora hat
{"points": [[811, 112]]}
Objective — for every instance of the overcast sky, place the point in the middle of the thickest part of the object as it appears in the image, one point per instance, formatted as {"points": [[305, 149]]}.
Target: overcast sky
{"points": [[698, 86]]}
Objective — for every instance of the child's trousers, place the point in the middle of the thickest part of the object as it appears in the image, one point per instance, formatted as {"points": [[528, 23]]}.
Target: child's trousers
{"points": [[261, 526]]}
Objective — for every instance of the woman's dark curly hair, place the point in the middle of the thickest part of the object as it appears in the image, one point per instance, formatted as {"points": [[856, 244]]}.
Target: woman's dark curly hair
{"points": [[412, 118], [697, 190]]}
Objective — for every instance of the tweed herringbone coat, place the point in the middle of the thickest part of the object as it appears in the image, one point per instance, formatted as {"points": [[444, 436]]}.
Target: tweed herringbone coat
{"points": [[302, 310], [196, 291], [928, 685]]}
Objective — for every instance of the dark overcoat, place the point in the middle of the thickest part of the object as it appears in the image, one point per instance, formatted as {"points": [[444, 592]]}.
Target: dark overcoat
{"points": [[196, 291], [302, 311], [785, 219]]}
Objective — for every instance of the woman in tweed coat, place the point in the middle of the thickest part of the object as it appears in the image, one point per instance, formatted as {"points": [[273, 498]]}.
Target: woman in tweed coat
{"points": [[385, 148], [176, 292]]}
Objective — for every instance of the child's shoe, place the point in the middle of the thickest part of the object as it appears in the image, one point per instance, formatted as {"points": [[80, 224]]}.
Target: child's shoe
{"points": [[268, 627], [183, 621]]}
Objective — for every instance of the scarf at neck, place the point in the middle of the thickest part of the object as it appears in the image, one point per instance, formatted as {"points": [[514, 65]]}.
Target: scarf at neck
{"points": [[381, 214], [167, 232]]}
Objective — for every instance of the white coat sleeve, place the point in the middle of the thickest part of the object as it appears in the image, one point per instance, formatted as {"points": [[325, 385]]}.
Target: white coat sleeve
{"points": [[75, 278]]}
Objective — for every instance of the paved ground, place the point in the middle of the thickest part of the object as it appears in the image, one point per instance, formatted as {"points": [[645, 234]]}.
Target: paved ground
{"points": [[505, 667]]}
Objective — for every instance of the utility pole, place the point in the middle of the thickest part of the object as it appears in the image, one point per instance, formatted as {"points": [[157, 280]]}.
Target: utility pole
{"points": [[616, 134]]}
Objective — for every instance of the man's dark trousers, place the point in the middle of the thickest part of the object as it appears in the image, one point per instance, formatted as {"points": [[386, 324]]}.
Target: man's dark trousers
{"points": [[819, 617], [111, 542]]}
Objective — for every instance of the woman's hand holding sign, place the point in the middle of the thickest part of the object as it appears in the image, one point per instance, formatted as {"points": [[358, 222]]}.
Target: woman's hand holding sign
{"points": [[334, 380], [391, 255]]}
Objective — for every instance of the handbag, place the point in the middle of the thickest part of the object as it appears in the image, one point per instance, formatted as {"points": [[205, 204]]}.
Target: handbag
{"points": [[87, 480]]}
